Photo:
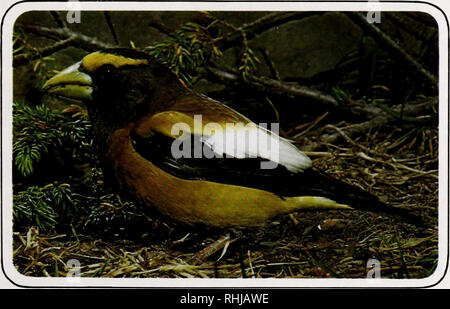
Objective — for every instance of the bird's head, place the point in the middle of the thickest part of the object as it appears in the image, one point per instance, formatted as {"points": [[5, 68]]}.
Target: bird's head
{"points": [[115, 84]]}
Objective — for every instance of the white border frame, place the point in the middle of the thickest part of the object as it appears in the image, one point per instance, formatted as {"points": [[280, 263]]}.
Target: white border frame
{"points": [[18, 279]]}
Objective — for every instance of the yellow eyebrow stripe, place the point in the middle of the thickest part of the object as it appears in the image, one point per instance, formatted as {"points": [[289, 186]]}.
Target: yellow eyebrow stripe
{"points": [[95, 60]]}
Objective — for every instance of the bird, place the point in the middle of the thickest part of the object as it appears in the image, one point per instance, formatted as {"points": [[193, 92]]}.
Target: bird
{"points": [[169, 148]]}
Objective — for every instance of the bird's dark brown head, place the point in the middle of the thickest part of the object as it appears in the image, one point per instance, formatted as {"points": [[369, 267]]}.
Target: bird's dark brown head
{"points": [[116, 85]]}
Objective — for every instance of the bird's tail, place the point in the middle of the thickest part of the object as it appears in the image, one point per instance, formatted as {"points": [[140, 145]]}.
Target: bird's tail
{"points": [[322, 192]]}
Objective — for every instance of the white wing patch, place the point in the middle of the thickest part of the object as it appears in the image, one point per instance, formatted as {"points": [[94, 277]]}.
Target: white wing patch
{"points": [[251, 141]]}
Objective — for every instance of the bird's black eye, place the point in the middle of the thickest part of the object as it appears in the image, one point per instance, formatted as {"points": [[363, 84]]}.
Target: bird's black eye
{"points": [[105, 72], [107, 68]]}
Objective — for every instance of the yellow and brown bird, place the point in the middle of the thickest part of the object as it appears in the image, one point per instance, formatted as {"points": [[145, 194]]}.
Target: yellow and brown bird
{"points": [[146, 123]]}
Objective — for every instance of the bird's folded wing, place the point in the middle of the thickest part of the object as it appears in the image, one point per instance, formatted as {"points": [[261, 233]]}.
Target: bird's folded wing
{"points": [[221, 139]]}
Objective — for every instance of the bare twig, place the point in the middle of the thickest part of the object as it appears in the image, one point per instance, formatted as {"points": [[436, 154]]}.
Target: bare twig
{"points": [[310, 127], [277, 115], [362, 147], [45, 52], [80, 40], [273, 71], [258, 26], [399, 165], [158, 25], [58, 20], [274, 86], [380, 120], [386, 41], [64, 37], [111, 27]]}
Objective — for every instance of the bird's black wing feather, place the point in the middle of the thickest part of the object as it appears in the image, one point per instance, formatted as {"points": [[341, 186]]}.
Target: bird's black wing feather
{"points": [[242, 172]]}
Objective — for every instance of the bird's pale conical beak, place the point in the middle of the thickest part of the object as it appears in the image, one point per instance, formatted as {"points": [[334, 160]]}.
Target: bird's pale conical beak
{"points": [[70, 83]]}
